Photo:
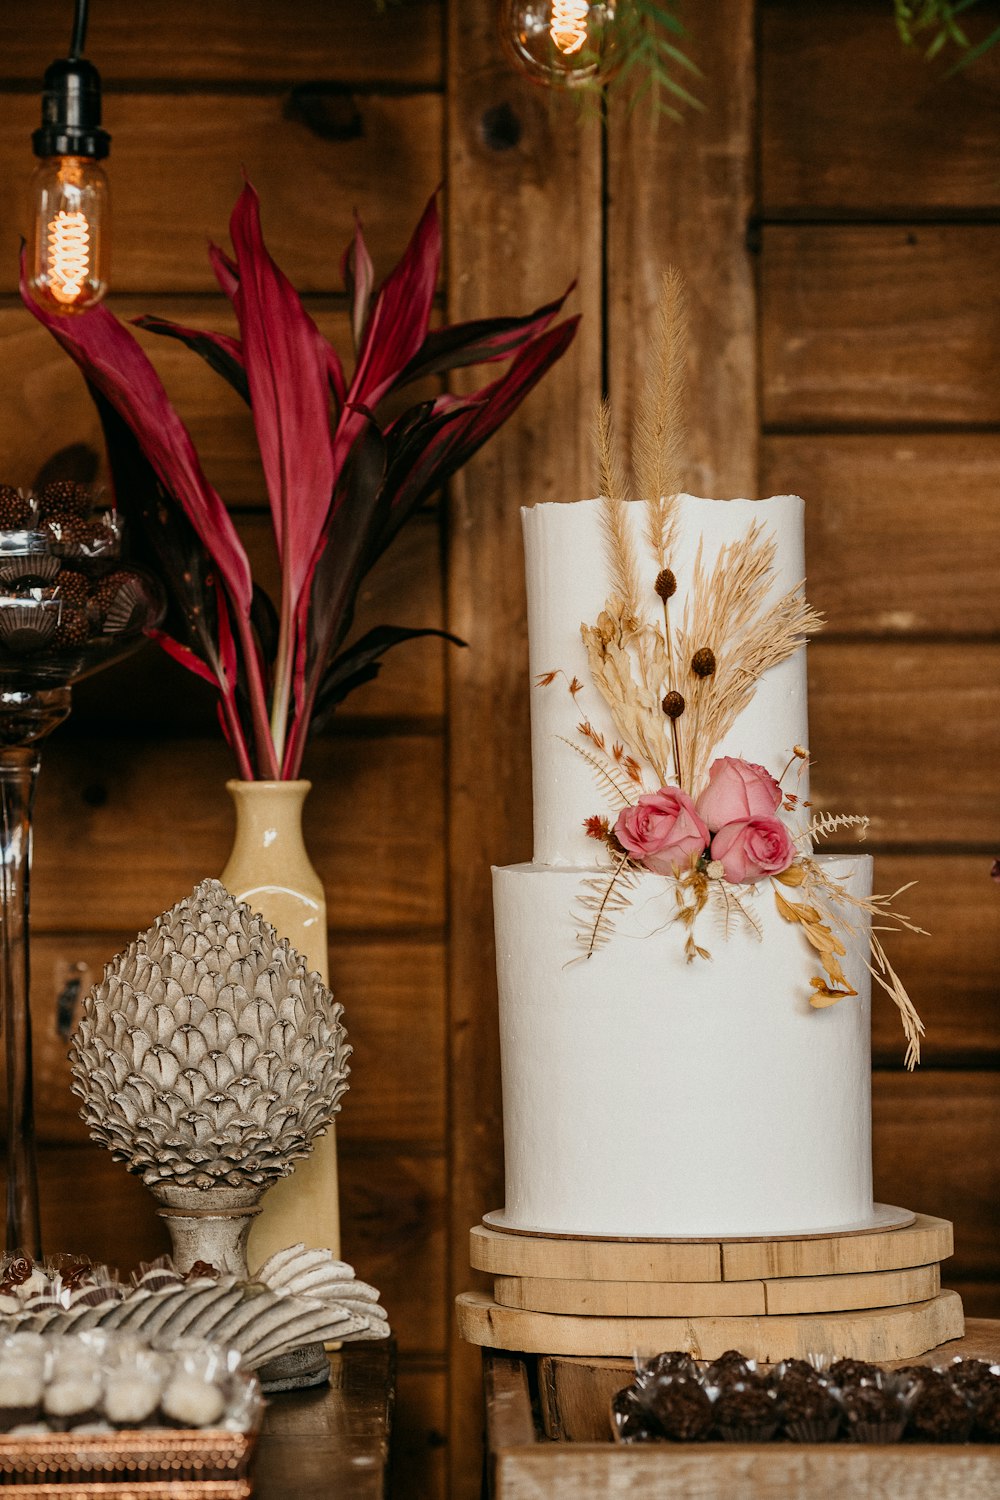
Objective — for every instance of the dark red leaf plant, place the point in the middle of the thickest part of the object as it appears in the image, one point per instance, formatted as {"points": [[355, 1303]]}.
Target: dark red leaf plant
{"points": [[342, 476]]}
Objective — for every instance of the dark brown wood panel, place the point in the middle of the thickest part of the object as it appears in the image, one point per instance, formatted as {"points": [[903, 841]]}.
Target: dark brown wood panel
{"points": [[393, 997], [953, 974], [681, 195], [937, 1151], [92, 1206], [525, 190], [902, 532], [124, 829], [852, 121], [393, 1213], [867, 326], [239, 40], [901, 732], [981, 1299], [419, 1433], [37, 380], [175, 176]]}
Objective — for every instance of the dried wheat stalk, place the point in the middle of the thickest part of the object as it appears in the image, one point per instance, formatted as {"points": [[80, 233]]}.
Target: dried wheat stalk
{"points": [[659, 436]]}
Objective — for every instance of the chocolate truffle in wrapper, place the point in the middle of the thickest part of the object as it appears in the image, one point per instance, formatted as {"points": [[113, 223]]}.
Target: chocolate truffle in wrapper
{"points": [[939, 1413], [851, 1372], [973, 1376], [630, 1421], [671, 1362], [746, 1411], [808, 1409], [680, 1407], [729, 1367], [873, 1412]]}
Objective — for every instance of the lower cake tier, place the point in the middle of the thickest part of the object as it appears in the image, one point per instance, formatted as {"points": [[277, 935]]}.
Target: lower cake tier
{"points": [[645, 1096]]}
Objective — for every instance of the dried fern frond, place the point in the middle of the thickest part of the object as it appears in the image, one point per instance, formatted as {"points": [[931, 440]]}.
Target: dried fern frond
{"points": [[659, 437], [825, 824], [613, 780], [733, 909], [604, 896]]}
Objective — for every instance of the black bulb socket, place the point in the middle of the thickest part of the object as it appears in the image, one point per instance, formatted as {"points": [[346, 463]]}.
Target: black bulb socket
{"points": [[71, 111]]}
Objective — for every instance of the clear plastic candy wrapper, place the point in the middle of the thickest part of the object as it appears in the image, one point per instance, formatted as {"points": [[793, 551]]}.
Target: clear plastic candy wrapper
{"points": [[101, 1382]]}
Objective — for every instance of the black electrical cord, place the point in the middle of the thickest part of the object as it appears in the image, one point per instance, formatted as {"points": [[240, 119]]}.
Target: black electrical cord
{"points": [[79, 38]]}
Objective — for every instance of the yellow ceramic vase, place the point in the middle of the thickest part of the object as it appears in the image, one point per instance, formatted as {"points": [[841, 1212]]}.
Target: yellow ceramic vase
{"points": [[270, 870]]}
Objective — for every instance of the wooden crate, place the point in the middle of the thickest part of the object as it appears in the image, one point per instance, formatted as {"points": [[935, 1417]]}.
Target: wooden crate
{"points": [[572, 1396]]}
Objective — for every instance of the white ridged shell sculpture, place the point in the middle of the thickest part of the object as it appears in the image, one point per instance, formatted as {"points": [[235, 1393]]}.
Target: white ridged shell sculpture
{"points": [[208, 1059]]}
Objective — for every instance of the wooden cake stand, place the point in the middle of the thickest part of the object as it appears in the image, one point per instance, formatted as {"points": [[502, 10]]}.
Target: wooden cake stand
{"points": [[867, 1294]]}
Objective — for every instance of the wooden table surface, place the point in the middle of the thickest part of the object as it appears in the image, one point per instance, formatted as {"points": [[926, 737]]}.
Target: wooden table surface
{"points": [[332, 1441]]}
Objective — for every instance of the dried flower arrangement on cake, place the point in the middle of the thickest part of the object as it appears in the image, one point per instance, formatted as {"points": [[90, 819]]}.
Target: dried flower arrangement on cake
{"points": [[675, 683]]}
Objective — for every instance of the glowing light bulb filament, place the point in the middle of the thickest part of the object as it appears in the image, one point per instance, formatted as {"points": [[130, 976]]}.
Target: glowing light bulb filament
{"points": [[69, 255], [569, 24]]}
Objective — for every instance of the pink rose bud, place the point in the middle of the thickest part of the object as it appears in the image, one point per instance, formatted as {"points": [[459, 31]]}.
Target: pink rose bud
{"points": [[737, 789], [662, 830], [753, 847]]}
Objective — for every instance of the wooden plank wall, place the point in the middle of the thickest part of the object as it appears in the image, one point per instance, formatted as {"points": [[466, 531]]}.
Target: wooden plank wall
{"points": [[835, 209], [878, 235]]}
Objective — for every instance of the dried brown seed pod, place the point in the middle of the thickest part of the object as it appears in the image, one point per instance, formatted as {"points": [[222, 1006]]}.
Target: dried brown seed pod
{"points": [[673, 704], [703, 662], [666, 584]]}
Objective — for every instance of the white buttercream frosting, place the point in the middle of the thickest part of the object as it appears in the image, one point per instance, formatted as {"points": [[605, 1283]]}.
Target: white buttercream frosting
{"points": [[567, 577], [643, 1095]]}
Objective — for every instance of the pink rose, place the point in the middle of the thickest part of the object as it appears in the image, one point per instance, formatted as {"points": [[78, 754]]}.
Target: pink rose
{"points": [[753, 847], [662, 830], [737, 789]]}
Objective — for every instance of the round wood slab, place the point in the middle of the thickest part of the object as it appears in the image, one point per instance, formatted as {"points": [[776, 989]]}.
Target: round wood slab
{"points": [[923, 1242], [878, 1334], [685, 1299], [883, 1216]]}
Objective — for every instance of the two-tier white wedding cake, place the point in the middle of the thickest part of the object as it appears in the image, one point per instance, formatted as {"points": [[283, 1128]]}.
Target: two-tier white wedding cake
{"points": [[677, 1059]]}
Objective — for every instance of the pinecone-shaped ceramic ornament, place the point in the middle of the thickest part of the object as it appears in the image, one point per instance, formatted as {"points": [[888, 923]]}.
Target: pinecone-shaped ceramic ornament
{"points": [[208, 1059]]}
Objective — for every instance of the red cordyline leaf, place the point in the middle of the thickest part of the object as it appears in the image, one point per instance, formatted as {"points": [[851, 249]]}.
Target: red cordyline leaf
{"points": [[479, 342], [358, 275], [223, 353], [286, 363], [226, 271], [110, 357], [185, 656], [398, 322]]}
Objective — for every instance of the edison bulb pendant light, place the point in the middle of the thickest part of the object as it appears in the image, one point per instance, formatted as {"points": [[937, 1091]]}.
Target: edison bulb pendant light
{"points": [[68, 240], [565, 43]]}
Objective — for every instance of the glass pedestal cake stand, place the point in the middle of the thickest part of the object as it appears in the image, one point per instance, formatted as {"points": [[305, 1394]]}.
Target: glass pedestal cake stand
{"points": [[68, 607]]}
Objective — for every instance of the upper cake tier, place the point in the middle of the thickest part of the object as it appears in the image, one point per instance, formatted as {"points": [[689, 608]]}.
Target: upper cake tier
{"points": [[567, 575]]}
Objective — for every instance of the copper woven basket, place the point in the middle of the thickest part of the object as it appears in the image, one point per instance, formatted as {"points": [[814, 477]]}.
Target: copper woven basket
{"points": [[137, 1465]]}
